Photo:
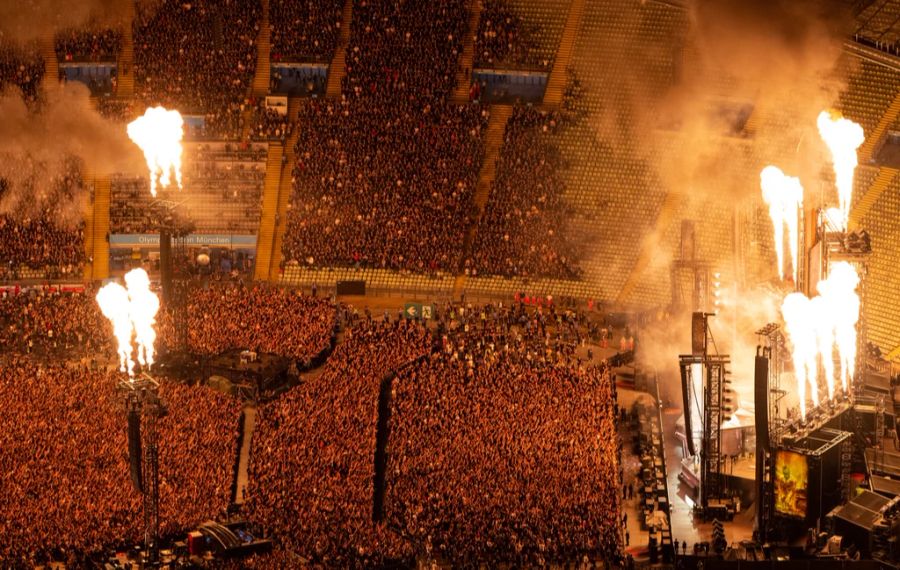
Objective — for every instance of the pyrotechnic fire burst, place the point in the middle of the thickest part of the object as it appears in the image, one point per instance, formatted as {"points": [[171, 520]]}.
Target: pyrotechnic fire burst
{"points": [[784, 196], [815, 326], [159, 133], [843, 137], [132, 312]]}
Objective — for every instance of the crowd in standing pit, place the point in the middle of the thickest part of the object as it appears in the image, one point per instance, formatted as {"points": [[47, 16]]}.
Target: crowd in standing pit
{"points": [[64, 466], [198, 57], [523, 232], [311, 475], [385, 177], [264, 319], [499, 454]]}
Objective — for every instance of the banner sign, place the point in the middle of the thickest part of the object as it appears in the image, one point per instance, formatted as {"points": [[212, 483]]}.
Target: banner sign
{"points": [[277, 103], [213, 240]]}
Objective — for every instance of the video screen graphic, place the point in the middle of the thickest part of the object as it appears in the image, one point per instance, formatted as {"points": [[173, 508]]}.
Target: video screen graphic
{"points": [[791, 484]]}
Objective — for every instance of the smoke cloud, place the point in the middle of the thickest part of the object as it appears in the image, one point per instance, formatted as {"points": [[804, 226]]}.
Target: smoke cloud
{"points": [[38, 145], [24, 20]]}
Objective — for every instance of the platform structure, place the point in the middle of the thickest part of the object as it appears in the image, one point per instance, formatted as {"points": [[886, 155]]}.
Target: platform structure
{"points": [[144, 409]]}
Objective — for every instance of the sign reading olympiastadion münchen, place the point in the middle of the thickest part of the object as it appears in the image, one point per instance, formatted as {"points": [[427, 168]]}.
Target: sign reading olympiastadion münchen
{"points": [[212, 240]]}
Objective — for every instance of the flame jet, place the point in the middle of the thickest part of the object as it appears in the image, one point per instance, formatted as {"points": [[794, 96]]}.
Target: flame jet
{"points": [[132, 312], [115, 306], [798, 319], [144, 304], [784, 196], [843, 137], [843, 302], [159, 133]]}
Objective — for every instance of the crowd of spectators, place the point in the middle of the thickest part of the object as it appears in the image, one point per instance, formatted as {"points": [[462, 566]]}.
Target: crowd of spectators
{"points": [[397, 197], [64, 465], [223, 185], [198, 57], [304, 30], [22, 67], [40, 219], [501, 453], [53, 325], [88, 43], [311, 470], [386, 176], [523, 231], [265, 319], [505, 40], [270, 125]]}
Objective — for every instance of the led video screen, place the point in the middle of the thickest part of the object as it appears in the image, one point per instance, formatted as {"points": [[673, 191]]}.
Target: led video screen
{"points": [[791, 484]]}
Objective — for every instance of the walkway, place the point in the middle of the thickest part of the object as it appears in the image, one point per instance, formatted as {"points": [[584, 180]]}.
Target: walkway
{"points": [[467, 57], [556, 84], [338, 66], [244, 456]]}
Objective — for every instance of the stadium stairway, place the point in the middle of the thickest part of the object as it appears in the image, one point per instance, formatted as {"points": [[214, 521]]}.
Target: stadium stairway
{"points": [[493, 143], [752, 123], [650, 245], [51, 63], [873, 140], [338, 67], [125, 77], [266, 235], [87, 207], [263, 75], [467, 57], [879, 185], [100, 230], [556, 84], [284, 196]]}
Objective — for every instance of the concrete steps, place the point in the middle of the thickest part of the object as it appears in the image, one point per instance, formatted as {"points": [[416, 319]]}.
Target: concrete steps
{"points": [[125, 78], [51, 63], [338, 66], [467, 57], [874, 139], [261, 79], [556, 84], [284, 198], [266, 235], [493, 144], [873, 193], [649, 246], [100, 241]]}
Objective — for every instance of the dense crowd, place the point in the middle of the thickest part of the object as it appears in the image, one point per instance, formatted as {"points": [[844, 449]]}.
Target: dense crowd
{"points": [[265, 319], [89, 43], [523, 231], [386, 176], [54, 325], [22, 67], [505, 40], [270, 124], [311, 468], [198, 57], [500, 453], [64, 465], [304, 30], [40, 219]]}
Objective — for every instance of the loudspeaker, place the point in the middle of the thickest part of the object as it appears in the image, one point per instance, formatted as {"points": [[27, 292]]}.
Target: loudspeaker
{"points": [[761, 399], [686, 394], [134, 450], [698, 334]]}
